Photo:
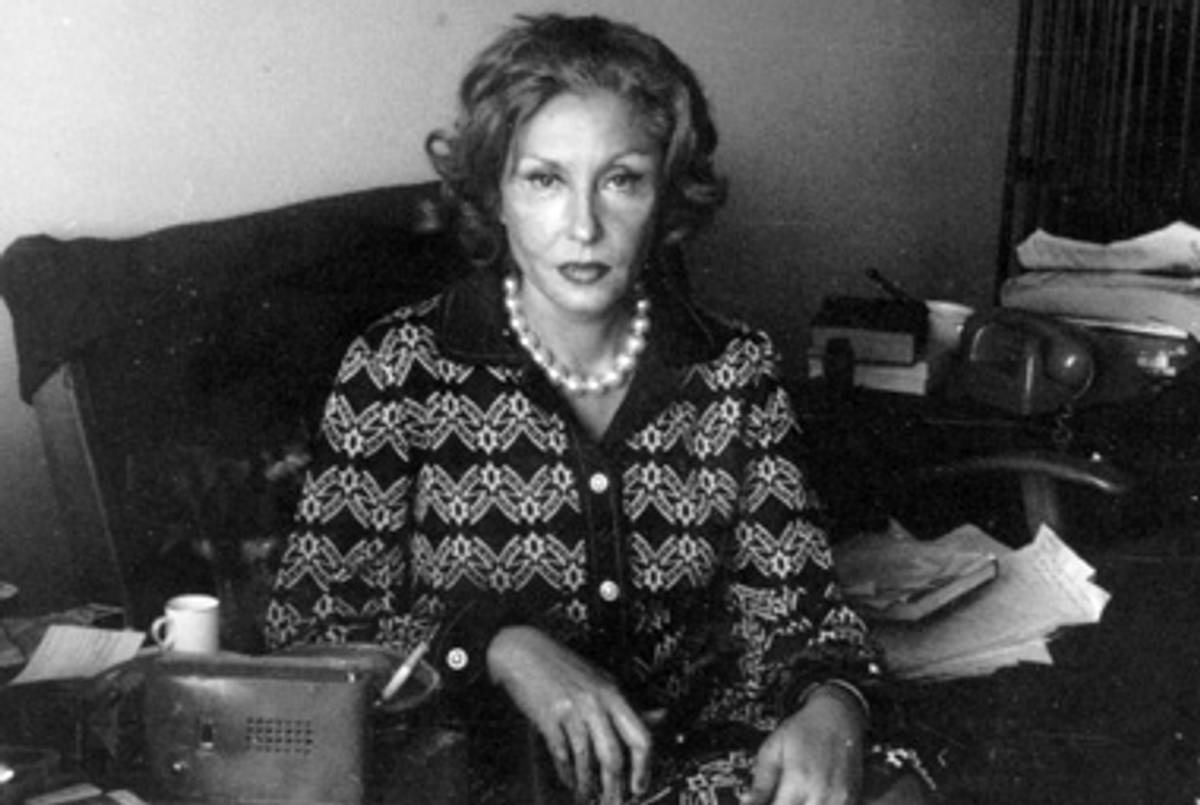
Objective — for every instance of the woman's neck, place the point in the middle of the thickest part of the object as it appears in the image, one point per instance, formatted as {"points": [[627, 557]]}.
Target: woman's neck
{"points": [[594, 364], [581, 344], [584, 347]]}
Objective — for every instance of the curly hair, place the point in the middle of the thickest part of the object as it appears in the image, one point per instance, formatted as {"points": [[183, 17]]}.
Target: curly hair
{"points": [[544, 56]]}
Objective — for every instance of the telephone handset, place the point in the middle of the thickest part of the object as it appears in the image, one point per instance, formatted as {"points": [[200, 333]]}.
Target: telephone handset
{"points": [[1024, 362]]}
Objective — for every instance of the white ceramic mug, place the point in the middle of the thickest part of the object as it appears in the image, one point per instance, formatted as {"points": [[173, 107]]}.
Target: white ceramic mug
{"points": [[946, 320], [189, 623]]}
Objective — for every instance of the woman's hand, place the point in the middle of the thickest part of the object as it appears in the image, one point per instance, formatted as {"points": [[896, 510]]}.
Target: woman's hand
{"points": [[587, 723], [815, 756]]}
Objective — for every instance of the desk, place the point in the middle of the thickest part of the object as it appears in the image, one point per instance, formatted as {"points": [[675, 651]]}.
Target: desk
{"points": [[1116, 719]]}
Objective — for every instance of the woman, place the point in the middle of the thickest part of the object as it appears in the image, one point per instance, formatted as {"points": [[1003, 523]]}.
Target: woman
{"points": [[581, 490]]}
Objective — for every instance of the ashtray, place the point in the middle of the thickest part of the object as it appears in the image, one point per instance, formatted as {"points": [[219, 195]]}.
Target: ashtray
{"points": [[380, 662], [416, 690]]}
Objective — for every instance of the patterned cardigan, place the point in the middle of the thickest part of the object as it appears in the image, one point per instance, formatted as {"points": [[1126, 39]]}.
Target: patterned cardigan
{"points": [[453, 493]]}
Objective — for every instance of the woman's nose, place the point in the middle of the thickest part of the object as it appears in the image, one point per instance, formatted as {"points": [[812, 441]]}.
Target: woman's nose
{"points": [[584, 220]]}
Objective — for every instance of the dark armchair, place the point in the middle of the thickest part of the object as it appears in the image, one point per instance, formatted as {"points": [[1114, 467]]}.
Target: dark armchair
{"points": [[177, 375]]}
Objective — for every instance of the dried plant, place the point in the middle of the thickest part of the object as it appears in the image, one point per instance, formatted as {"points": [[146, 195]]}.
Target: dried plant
{"points": [[229, 511]]}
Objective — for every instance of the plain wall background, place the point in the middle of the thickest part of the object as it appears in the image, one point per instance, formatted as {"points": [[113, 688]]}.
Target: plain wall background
{"points": [[856, 134]]}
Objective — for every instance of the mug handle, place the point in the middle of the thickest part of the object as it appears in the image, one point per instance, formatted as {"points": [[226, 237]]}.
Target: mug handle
{"points": [[160, 630]]}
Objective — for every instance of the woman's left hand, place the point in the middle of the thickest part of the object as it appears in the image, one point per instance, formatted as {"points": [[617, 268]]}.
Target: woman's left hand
{"points": [[814, 757]]}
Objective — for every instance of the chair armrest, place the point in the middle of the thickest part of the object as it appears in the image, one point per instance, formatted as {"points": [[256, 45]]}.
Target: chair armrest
{"points": [[1040, 474], [1096, 474]]}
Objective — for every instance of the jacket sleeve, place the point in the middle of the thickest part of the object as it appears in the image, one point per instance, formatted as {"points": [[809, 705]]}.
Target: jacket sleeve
{"points": [[787, 609], [343, 575], [346, 573]]}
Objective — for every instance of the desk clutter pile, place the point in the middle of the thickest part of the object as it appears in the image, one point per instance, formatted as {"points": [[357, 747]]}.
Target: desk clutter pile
{"points": [[896, 345], [1142, 295], [965, 604], [1146, 283], [1081, 324]]}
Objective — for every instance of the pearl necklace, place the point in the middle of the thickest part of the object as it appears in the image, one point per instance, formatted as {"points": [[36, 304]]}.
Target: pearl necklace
{"points": [[566, 379]]}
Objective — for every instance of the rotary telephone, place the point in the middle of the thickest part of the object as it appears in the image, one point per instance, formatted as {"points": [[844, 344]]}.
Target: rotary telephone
{"points": [[1026, 363]]}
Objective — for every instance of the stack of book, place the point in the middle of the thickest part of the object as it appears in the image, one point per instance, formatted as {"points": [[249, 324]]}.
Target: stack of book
{"points": [[887, 339]]}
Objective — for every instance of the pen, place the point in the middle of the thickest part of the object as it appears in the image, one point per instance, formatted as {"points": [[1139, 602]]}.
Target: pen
{"points": [[404, 671]]}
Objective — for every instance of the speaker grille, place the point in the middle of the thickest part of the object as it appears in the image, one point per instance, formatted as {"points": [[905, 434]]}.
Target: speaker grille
{"points": [[280, 735]]}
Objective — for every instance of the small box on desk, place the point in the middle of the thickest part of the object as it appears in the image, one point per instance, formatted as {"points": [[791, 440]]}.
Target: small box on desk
{"points": [[258, 729], [878, 330]]}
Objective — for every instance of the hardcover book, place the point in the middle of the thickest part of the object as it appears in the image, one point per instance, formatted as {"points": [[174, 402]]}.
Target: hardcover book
{"points": [[891, 575], [920, 377], [877, 329]]}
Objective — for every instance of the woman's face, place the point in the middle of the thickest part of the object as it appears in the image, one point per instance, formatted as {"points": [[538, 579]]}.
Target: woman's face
{"points": [[578, 200]]}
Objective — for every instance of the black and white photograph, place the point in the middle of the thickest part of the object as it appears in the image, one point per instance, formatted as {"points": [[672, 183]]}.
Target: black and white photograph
{"points": [[624, 402]]}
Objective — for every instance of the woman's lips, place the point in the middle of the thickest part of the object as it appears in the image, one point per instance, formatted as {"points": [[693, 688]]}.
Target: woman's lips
{"points": [[584, 273]]}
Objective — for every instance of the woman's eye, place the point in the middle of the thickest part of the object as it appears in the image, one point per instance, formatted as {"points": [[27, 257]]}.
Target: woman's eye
{"points": [[541, 181], [626, 181]]}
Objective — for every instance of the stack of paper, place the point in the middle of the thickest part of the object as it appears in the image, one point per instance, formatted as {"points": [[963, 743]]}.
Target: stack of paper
{"points": [[1148, 281], [1038, 590], [1173, 249]]}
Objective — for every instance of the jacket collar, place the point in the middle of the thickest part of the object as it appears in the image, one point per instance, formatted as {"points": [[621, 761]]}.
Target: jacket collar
{"points": [[473, 325]]}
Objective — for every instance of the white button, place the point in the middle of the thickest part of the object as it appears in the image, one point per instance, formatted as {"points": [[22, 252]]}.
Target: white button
{"points": [[599, 483], [456, 659], [609, 590]]}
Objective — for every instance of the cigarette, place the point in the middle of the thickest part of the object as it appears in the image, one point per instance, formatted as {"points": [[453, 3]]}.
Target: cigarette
{"points": [[404, 671]]}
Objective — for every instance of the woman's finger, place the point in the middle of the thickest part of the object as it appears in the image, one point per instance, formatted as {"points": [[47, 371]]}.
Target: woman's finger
{"points": [[635, 735], [581, 756], [767, 772], [560, 753], [610, 756]]}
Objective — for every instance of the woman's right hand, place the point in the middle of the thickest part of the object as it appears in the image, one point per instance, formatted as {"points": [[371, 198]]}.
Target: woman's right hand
{"points": [[587, 723]]}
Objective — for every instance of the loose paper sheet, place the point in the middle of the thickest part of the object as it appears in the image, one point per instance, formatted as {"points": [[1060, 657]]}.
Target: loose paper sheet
{"points": [[78, 652], [20, 635]]}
